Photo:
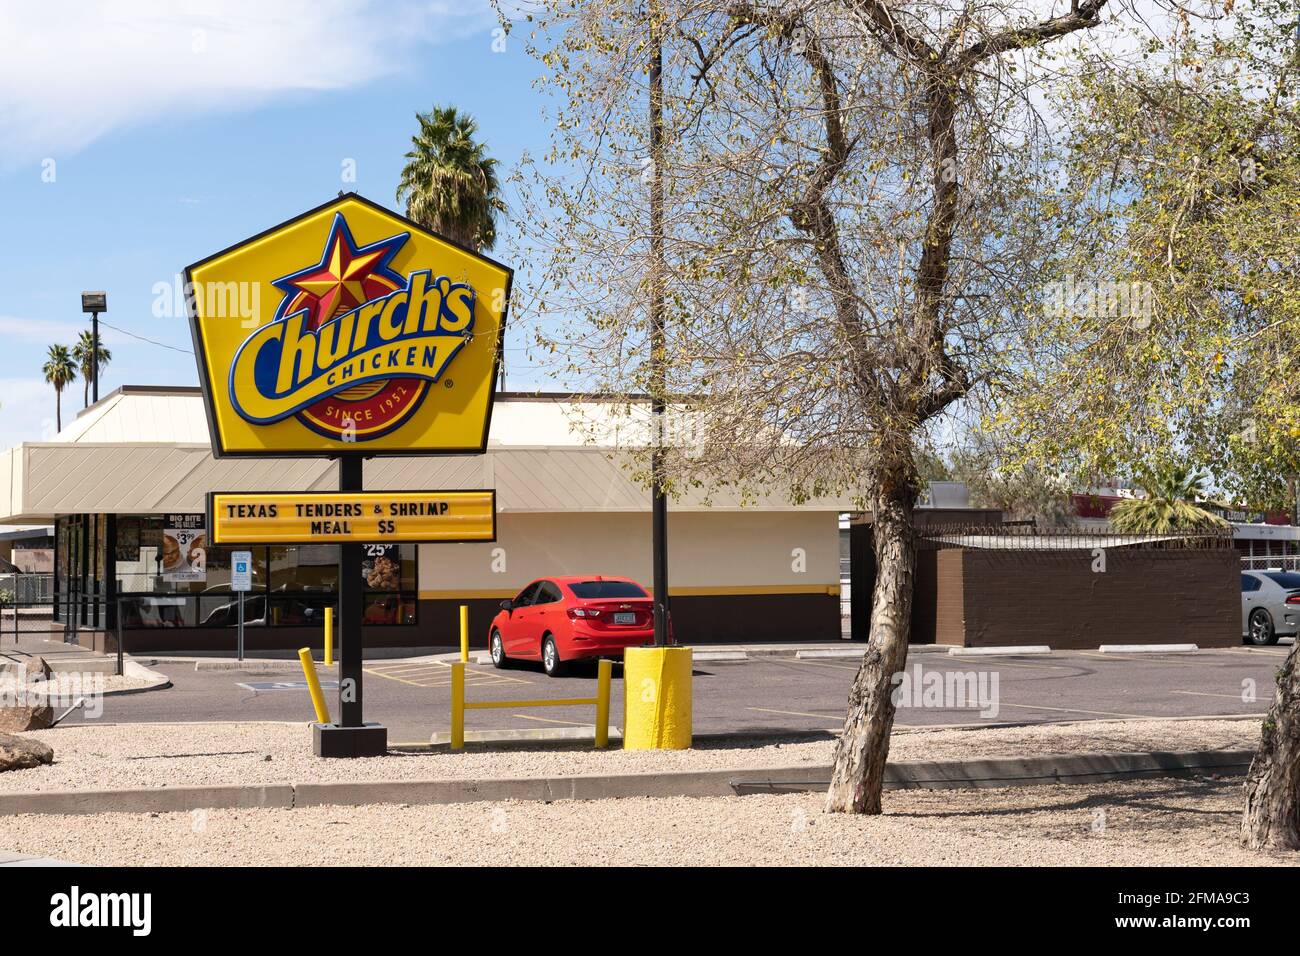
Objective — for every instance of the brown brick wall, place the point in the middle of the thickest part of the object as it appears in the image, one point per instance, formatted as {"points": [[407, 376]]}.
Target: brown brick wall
{"points": [[1055, 598]]}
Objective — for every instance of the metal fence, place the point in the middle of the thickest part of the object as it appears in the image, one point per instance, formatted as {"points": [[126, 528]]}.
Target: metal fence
{"points": [[26, 605], [1276, 562], [27, 588], [1027, 538]]}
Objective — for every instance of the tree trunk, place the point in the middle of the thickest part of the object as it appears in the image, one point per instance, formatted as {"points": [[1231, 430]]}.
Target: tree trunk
{"points": [[859, 774], [58, 411], [1272, 816]]}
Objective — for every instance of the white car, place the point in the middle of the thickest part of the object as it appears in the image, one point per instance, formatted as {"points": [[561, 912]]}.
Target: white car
{"points": [[1270, 605]]}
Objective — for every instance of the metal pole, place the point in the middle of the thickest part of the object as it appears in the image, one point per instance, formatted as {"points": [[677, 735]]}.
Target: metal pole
{"points": [[94, 356], [240, 649], [658, 384], [350, 596], [119, 638]]}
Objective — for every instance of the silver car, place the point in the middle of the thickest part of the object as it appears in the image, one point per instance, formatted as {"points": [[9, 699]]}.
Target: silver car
{"points": [[1270, 605]]}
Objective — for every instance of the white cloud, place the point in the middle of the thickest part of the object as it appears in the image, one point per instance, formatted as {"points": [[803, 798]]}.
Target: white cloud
{"points": [[47, 331], [70, 76], [27, 410]]}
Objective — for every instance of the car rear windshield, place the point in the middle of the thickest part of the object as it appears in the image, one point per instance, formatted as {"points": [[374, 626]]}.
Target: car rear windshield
{"points": [[1287, 579], [610, 589]]}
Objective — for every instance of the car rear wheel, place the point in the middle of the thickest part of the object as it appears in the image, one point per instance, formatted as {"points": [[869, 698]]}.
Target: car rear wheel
{"points": [[498, 651], [1261, 628], [551, 662]]}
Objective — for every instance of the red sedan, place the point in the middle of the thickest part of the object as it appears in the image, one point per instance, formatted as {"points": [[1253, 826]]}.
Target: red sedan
{"points": [[557, 620]]}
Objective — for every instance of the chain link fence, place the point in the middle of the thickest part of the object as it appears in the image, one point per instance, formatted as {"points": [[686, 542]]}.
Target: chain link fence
{"points": [[26, 605]]}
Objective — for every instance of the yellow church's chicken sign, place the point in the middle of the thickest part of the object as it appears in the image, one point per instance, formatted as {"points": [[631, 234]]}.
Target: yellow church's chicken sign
{"points": [[348, 329]]}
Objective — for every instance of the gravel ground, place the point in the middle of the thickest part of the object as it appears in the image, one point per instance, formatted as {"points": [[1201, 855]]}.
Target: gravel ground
{"points": [[125, 756], [1144, 823]]}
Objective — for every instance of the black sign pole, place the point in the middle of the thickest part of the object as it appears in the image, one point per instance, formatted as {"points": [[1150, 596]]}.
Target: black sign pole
{"points": [[658, 382], [350, 614], [351, 736]]}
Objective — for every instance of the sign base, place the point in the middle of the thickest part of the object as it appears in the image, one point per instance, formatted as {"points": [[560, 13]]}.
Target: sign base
{"points": [[331, 740]]}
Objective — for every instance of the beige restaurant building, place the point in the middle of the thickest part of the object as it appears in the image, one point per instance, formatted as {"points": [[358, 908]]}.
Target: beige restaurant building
{"points": [[137, 464]]}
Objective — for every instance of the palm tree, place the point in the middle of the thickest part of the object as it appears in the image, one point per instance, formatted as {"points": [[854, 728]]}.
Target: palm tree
{"points": [[1169, 505], [449, 184], [59, 370], [81, 352]]}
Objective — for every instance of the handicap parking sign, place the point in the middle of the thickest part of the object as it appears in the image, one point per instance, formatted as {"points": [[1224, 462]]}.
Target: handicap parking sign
{"points": [[241, 571]]}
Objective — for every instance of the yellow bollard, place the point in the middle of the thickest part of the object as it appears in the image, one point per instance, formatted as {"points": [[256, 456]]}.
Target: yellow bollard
{"points": [[464, 634], [657, 698], [313, 685], [457, 705], [604, 671], [329, 637]]}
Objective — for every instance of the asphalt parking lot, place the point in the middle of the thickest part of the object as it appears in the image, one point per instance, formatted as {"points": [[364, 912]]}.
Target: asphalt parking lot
{"points": [[412, 697]]}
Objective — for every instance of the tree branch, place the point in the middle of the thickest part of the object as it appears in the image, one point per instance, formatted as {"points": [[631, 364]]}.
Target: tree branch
{"points": [[1083, 14]]}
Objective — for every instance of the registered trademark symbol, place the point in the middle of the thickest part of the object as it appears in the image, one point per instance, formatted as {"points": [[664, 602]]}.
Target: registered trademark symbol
{"points": [[448, 383]]}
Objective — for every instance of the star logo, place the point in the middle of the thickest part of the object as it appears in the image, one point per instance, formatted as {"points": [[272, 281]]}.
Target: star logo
{"points": [[346, 276]]}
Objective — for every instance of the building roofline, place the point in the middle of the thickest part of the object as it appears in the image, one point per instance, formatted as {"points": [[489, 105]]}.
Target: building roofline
{"points": [[508, 396]]}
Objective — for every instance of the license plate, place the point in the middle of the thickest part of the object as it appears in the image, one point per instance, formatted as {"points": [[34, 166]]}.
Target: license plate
{"points": [[625, 618]]}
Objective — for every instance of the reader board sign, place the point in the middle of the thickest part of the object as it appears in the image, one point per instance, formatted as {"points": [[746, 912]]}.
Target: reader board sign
{"points": [[358, 517], [347, 330]]}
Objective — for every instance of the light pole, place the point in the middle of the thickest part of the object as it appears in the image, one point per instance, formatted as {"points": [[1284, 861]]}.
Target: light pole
{"points": [[658, 373], [94, 303]]}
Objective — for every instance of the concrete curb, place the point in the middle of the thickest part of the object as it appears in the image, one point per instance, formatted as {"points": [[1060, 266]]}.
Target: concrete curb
{"points": [[1010, 651], [977, 773], [1148, 649], [258, 667], [22, 859], [154, 800]]}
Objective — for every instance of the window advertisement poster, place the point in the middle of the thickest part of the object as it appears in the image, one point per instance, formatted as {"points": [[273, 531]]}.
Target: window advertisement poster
{"points": [[184, 548], [128, 539], [382, 567]]}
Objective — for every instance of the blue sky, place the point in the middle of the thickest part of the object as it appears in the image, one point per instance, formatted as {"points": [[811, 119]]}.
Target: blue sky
{"points": [[136, 138]]}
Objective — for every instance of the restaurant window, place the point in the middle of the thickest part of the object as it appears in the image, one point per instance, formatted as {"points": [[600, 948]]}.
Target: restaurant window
{"points": [[168, 576]]}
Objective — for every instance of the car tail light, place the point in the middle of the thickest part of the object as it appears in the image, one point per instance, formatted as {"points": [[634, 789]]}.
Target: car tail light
{"points": [[1293, 598], [577, 613]]}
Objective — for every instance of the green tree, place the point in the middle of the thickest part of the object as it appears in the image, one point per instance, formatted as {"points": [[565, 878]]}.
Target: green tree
{"points": [[60, 371], [449, 183], [82, 353], [844, 190], [1170, 503], [1173, 331]]}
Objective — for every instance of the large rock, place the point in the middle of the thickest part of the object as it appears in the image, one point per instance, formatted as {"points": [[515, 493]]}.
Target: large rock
{"points": [[24, 698], [19, 753], [36, 669]]}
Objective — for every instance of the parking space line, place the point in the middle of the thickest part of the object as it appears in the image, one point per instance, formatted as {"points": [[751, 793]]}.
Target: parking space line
{"points": [[838, 667], [551, 720], [1157, 658], [431, 674], [1204, 693], [1001, 663], [1071, 710], [792, 713]]}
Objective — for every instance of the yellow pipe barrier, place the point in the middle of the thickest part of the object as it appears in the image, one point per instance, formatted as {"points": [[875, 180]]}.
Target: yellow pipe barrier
{"points": [[313, 685], [459, 705], [464, 633], [329, 637], [604, 671]]}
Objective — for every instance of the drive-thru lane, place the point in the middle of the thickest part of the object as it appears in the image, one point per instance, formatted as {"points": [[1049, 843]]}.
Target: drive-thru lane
{"points": [[766, 693]]}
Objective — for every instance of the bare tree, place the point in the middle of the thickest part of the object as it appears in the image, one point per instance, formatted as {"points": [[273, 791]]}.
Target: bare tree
{"points": [[851, 197]]}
